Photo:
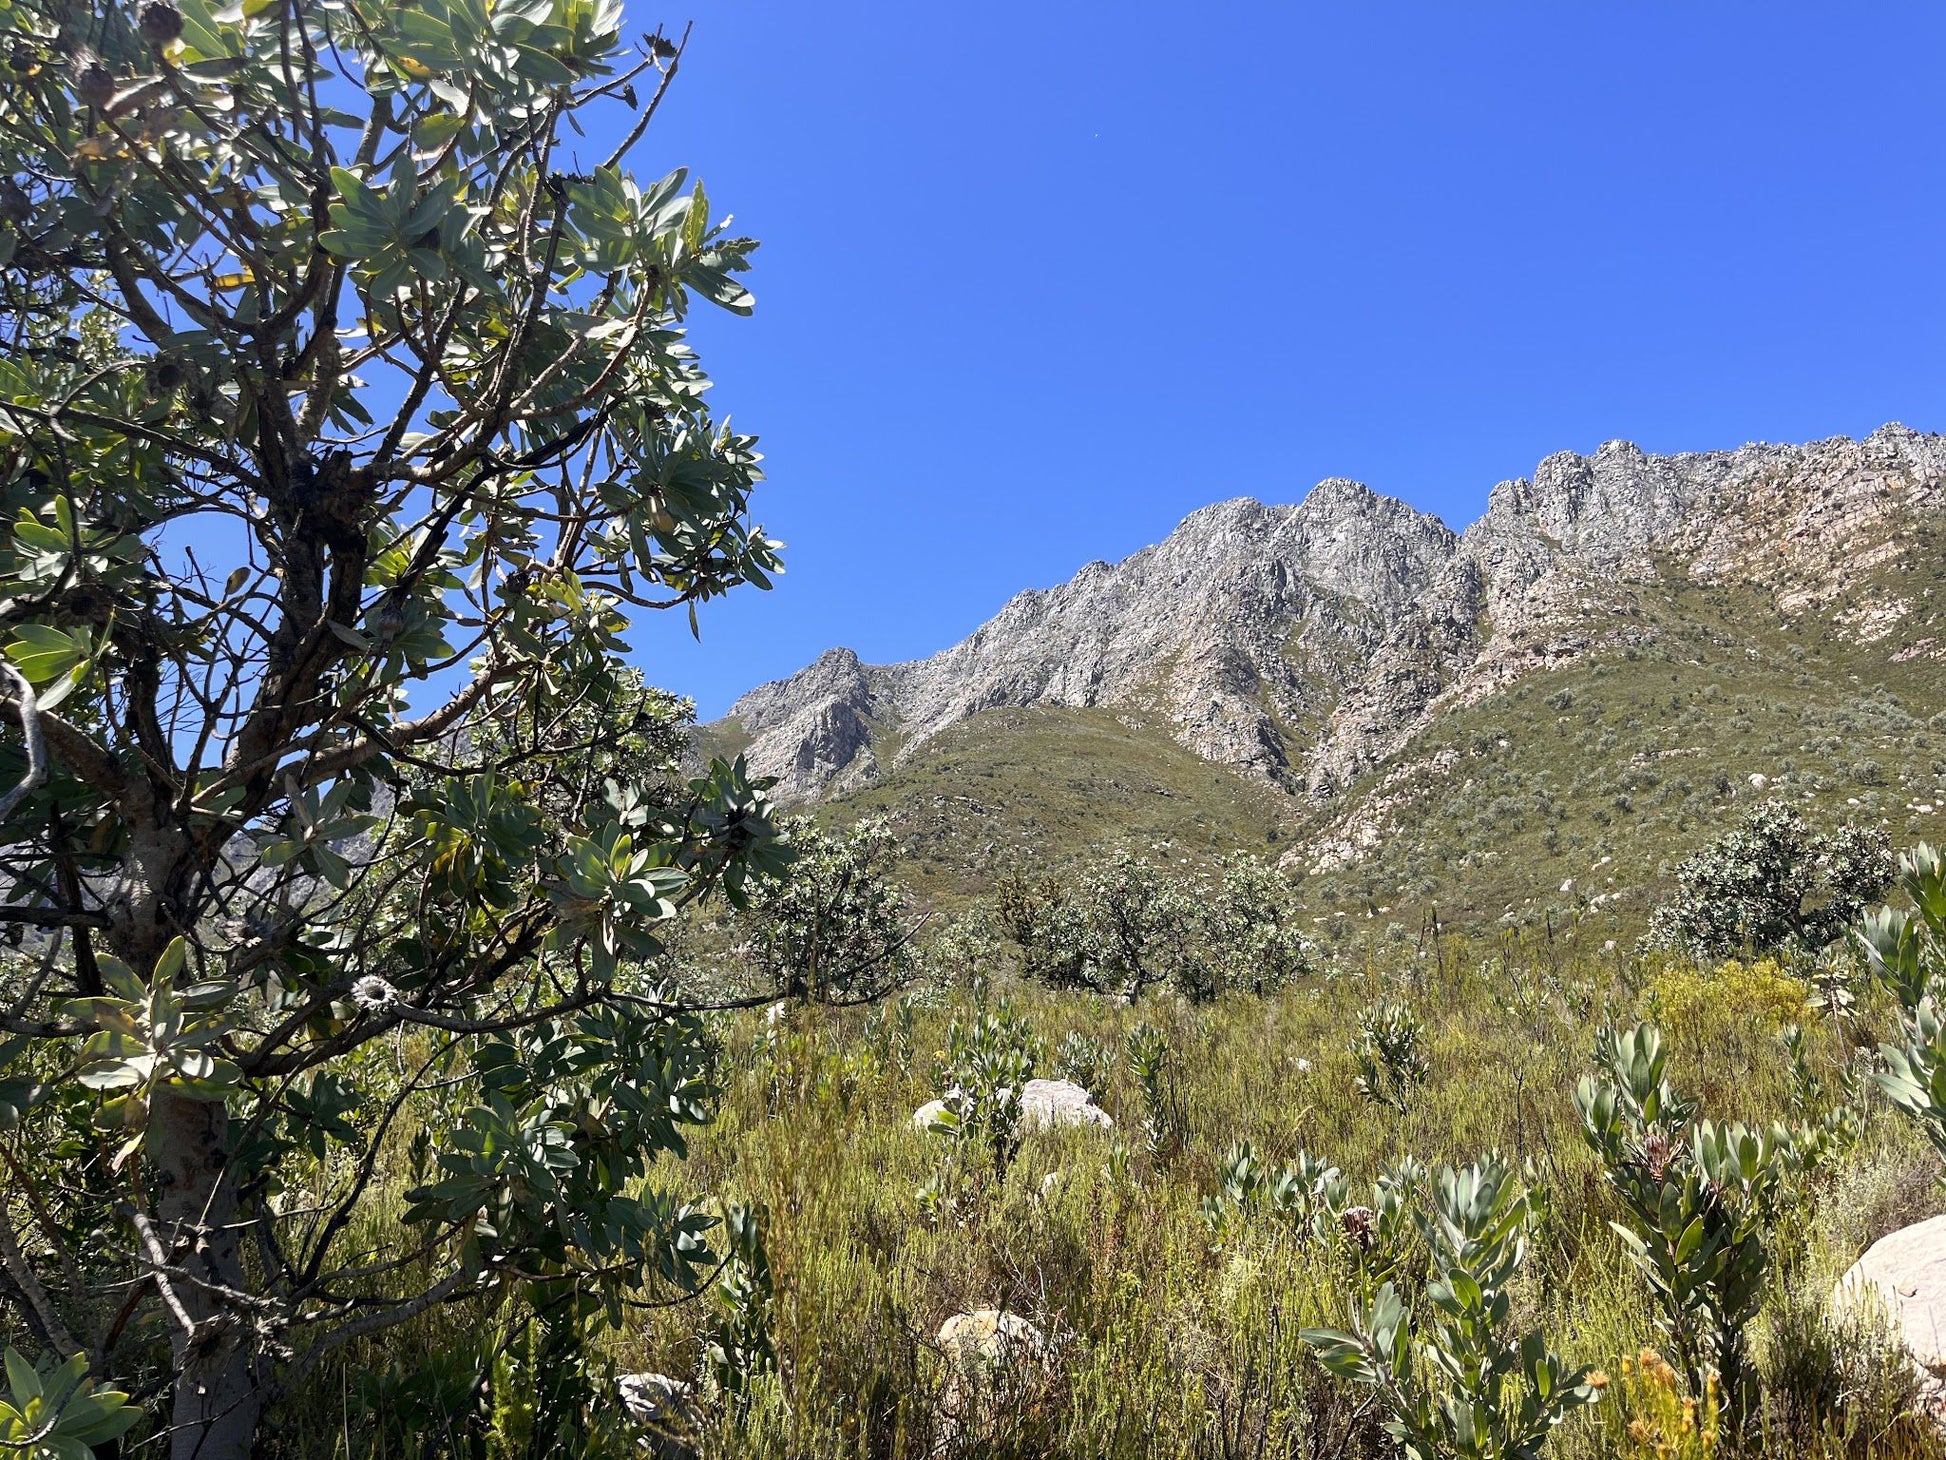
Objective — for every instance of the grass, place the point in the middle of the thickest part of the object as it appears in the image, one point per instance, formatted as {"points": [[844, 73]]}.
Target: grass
{"points": [[1561, 802], [1170, 1339]]}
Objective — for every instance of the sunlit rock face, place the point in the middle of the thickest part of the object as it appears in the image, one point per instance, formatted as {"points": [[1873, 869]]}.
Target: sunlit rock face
{"points": [[1302, 644]]}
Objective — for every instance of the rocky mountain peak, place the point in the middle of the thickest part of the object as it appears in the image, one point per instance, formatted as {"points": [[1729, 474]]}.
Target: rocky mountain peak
{"points": [[1302, 643]]}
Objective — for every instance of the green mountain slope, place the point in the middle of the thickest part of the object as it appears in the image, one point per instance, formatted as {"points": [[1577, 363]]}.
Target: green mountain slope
{"points": [[1565, 797], [1040, 786]]}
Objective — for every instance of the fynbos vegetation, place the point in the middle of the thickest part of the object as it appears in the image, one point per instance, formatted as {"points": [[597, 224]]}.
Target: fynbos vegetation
{"points": [[1346, 988]]}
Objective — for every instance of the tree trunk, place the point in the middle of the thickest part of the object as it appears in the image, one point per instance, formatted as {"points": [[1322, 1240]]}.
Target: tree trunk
{"points": [[217, 1400]]}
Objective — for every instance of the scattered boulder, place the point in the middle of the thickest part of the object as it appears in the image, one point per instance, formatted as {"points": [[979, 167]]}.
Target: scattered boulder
{"points": [[996, 1361], [987, 1337], [1045, 1103], [1902, 1277], [666, 1409]]}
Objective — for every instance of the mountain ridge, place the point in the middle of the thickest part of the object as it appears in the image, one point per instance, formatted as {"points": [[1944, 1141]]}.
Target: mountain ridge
{"points": [[1301, 644]]}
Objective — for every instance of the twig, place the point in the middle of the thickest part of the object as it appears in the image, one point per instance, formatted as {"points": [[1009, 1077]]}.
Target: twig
{"points": [[30, 728]]}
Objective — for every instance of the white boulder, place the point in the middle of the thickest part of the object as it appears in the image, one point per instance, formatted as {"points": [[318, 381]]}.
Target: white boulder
{"points": [[992, 1357], [1045, 1103], [989, 1336], [1902, 1277], [666, 1408]]}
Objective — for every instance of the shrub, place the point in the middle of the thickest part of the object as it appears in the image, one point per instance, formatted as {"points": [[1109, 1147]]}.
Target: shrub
{"points": [[1391, 1060], [58, 1412], [1907, 955], [1307, 1196], [988, 1063], [1083, 1059], [1660, 1421], [1146, 1050], [1701, 1201], [739, 1349], [1687, 996], [1770, 883], [1463, 1383]]}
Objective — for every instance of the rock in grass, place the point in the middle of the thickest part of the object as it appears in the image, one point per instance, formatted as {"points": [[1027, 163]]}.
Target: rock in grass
{"points": [[1903, 1277], [1046, 1103], [996, 1362], [1043, 1104], [988, 1337], [665, 1408]]}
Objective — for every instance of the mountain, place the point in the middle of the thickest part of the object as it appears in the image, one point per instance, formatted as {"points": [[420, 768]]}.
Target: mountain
{"points": [[1322, 657]]}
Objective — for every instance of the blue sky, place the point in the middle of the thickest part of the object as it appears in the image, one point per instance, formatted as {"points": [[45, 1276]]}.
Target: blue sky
{"points": [[1039, 279]]}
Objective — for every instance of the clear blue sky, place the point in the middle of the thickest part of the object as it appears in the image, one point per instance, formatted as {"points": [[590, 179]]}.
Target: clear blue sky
{"points": [[1039, 279]]}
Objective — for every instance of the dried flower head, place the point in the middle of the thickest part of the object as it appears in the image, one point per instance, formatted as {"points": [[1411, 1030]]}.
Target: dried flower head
{"points": [[1361, 1225], [1656, 1151]]}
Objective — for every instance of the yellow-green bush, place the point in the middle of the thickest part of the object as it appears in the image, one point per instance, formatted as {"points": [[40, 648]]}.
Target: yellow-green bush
{"points": [[1688, 998]]}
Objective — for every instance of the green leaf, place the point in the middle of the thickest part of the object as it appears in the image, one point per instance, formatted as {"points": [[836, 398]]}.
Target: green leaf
{"points": [[21, 1378], [42, 652]]}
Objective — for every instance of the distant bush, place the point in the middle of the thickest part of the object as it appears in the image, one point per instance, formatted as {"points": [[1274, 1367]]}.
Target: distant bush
{"points": [[1685, 996], [1770, 884], [1129, 923], [840, 930], [1247, 935], [1121, 927]]}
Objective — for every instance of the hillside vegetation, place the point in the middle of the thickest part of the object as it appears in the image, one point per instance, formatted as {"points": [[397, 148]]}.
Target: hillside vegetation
{"points": [[1562, 800], [1170, 1284]]}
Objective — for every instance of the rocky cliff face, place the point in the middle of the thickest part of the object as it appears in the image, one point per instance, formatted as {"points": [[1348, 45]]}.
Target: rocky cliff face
{"points": [[1302, 644]]}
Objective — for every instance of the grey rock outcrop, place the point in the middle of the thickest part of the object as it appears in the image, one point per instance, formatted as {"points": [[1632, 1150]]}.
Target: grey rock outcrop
{"points": [[1303, 644]]}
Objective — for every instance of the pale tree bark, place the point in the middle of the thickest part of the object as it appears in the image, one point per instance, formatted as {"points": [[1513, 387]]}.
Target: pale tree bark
{"points": [[216, 1402]]}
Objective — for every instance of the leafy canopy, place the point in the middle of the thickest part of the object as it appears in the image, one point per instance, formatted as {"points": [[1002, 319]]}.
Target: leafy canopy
{"points": [[346, 418]]}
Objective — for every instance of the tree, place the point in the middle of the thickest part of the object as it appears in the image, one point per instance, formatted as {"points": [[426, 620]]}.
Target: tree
{"points": [[1126, 924], [345, 416], [1771, 882], [1247, 933], [1121, 927], [839, 930]]}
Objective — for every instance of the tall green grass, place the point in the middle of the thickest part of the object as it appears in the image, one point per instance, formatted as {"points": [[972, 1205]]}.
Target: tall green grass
{"points": [[1169, 1338]]}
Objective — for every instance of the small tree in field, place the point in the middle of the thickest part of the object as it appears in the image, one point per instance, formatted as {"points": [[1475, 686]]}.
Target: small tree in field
{"points": [[839, 931], [1770, 882], [345, 417], [1122, 926]]}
